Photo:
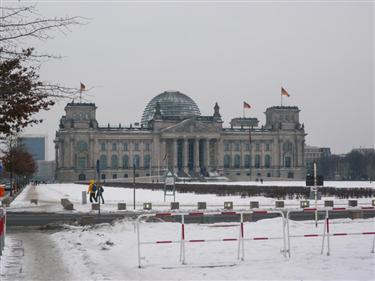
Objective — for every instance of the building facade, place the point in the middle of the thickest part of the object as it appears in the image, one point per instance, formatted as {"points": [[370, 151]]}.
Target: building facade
{"points": [[173, 135], [315, 154]]}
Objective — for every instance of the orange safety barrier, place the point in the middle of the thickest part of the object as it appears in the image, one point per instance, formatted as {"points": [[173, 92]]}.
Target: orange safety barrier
{"points": [[2, 190]]}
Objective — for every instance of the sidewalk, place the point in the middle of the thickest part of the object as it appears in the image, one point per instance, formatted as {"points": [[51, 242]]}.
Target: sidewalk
{"points": [[32, 255]]}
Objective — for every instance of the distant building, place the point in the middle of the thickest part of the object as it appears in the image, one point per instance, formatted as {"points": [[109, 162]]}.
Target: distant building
{"points": [[173, 135], [364, 150], [315, 154], [46, 171], [35, 145]]}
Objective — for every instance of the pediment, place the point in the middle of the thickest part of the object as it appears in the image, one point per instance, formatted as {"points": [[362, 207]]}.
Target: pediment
{"points": [[191, 126]]}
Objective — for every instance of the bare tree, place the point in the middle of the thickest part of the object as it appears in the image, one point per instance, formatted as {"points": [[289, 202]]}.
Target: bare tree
{"points": [[22, 93]]}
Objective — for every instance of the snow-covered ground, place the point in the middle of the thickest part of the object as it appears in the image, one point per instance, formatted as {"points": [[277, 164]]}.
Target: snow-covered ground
{"points": [[109, 252], [49, 196]]}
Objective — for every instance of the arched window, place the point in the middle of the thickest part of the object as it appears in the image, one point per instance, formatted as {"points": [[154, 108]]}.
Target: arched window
{"points": [[237, 161], [146, 161], [267, 161], [136, 161], [257, 161], [247, 161], [125, 162], [103, 162], [226, 161], [114, 162]]}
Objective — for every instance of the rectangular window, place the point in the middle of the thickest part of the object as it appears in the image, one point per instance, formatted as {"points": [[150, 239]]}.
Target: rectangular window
{"points": [[102, 146], [114, 146], [288, 162], [81, 162], [267, 147], [257, 147], [247, 147], [237, 146], [136, 146], [147, 147], [126, 147], [226, 146]]}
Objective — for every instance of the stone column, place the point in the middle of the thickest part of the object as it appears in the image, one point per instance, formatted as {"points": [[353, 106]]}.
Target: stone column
{"points": [[160, 155], [196, 155], [175, 156], [186, 155], [242, 155], [72, 153], [206, 154], [56, 155], [91, 162], [141, 156], [219, 155], [130, 148]]}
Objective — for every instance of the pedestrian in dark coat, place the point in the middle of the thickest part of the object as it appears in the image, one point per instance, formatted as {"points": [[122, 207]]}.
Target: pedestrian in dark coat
{"points": [[99, 193]]}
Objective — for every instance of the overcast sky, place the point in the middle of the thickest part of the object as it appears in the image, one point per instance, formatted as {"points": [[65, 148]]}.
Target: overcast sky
{"points": [[322, 53]]}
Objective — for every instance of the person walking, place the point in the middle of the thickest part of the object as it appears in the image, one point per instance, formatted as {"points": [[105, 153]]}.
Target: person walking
{"points": [[92, 190], [99, 193]]}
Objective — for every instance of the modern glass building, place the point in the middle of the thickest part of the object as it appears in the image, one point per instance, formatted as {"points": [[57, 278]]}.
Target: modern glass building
{"points": [[35, 145]]}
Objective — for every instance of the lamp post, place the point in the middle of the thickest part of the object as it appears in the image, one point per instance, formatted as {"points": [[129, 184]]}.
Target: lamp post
{"points": [[134, 186], [98, 177]]}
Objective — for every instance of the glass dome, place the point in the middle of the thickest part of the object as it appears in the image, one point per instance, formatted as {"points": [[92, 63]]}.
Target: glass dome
{"points": [[172, 104]]}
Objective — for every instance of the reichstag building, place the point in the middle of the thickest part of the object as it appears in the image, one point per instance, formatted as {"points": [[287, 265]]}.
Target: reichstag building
{"points": [[174, 136]]}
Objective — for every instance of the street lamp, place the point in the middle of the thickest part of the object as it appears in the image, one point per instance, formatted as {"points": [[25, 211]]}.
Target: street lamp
{"points": [[133, 185]]}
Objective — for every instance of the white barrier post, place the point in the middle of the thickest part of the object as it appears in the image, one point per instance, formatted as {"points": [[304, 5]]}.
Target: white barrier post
{"points": [[284, 239], [326, 233], [241, 244], [323, 235], [327, 219], [373, 245], [182, 244], [242, 238], [139, 244], [288, 232]]}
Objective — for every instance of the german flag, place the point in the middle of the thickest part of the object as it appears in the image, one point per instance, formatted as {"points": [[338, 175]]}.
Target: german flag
{"points": [[284, 92]]}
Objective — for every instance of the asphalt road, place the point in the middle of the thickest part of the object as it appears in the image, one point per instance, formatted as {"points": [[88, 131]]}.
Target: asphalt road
{"points": [[42, 219]]}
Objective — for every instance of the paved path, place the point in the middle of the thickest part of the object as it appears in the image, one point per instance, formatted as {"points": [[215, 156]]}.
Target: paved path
{"points": [[32, 255]]}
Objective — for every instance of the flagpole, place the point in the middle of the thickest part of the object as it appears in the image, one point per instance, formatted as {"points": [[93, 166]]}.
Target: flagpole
{"points": [[281, 98]]}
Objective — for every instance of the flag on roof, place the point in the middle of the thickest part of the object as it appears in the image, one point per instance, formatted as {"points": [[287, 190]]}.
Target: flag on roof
{"points": [[284, 92], [82, 87]]}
